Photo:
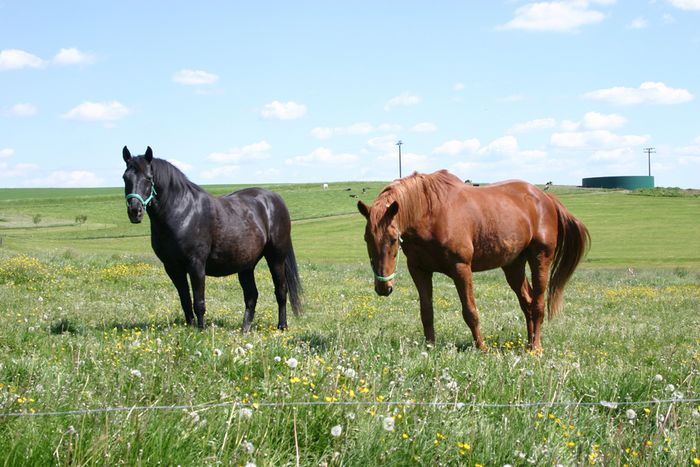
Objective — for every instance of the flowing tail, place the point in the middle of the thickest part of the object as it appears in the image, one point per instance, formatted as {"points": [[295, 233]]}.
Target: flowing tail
{"points": [[573, 241], [293, 281]]}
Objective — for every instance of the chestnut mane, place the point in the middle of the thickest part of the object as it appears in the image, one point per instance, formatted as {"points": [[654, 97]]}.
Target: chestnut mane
{"points": [[416, 195]]}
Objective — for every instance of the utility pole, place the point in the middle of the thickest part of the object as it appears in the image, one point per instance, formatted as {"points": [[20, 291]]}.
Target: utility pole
{"points": [[399, 143], [649, 152]]}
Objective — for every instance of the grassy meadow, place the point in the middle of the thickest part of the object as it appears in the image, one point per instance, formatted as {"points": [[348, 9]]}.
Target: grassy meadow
{"points": [[93, 322]]}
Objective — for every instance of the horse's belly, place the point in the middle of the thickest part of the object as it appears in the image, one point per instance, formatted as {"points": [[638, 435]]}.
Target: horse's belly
{"points": [[496, 254]]}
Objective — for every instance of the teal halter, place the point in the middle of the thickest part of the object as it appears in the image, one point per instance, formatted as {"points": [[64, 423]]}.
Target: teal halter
{"points": [[393, 274], [148, 200]]}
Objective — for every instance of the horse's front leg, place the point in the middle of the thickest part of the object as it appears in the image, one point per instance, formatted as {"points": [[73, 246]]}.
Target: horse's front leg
{"points": [[424, 284], [179, 278], [197, 280], [462, 277]]}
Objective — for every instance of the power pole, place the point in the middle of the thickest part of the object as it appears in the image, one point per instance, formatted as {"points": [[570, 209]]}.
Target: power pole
{"points": [[399, 143], [649, 152]]}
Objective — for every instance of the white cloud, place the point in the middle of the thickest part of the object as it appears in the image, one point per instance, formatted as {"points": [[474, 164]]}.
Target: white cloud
{"points": [[323, 156], [424, 127], [14, 171], [277, 110], [458, 87], [532, 125], [223, 171], [686, 4], [647, 93], [194, 77], [97, 112], [595, 139], [183, 166], [598, 121], [6, 152], [558, 16], [15, 59], [404, 100], [63, 178], [456, 147], [73, 56], [613, 155], [638, 23], [255, 151], [361, 128], [22, 110]]}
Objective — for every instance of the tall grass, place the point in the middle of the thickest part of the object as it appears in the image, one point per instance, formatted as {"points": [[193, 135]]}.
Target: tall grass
{"points": [[92, 321]]}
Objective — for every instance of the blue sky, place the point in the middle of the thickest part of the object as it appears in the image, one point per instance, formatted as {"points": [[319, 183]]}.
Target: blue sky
{"points": [[319, 91]]}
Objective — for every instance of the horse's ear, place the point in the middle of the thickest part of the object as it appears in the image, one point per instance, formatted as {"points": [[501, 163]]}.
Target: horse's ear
{"points": [[149, 154], [364, 210], [392, 209], [126, 154]]}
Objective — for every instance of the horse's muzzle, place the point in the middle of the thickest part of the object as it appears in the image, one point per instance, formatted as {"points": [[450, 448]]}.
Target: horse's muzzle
{"points": [[135, 211], [383, 289]]}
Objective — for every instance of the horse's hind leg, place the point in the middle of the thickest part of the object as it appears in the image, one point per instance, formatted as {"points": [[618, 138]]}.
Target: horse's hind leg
{"points": [[179, 278], [279, 278], [540, 262], [515, 275], [250, 297], [463, 281]]}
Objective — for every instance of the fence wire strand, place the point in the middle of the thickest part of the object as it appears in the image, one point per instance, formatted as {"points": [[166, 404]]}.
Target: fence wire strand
{"points": [[257, 405]]}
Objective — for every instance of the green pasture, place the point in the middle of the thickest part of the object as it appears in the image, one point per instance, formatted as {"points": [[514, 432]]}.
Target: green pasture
{"points": [[92, 322]]}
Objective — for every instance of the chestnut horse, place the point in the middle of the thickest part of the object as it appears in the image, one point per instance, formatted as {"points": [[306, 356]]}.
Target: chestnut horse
{"points": [[445, 226]]}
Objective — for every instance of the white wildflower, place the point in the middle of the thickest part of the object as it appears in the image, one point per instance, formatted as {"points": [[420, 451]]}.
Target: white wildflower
{"points": [[631, 415], [246, 412], [658, 378], [388, 423], [217, 352], [292, 362], [135, 373], [670, 387], [336, 431], [249, 346], [278, 358], [350, 373], [247, 446]]}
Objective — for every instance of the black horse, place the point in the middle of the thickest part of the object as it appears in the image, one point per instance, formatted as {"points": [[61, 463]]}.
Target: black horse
{"points": [[196, 234]]}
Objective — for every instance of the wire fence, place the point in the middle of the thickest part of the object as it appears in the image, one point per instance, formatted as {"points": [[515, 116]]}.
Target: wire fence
{"points": [[257, 405]]}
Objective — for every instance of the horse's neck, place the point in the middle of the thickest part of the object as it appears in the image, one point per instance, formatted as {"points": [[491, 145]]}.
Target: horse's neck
{"points": [[172, 201]]}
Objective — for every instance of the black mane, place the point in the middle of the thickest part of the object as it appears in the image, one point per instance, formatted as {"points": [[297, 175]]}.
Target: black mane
{"points": [[170, 180]]}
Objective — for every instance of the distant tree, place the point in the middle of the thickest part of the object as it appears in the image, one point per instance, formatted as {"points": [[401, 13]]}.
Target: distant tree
{"points": [[36, 219], [80, 219]]}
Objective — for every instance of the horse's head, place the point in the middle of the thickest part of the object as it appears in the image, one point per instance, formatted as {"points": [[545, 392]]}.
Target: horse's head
{"points": [[383, 238], [139, 188]]}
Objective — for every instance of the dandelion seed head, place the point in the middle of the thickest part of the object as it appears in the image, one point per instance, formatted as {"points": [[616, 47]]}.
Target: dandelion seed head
{"points": [[135, 373], [350, 373], [278, 358], [292, 362], [217, 352], [630, 414], [670, 387], [388, 423], [336, 431], [246, 412], [658, 378]]}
